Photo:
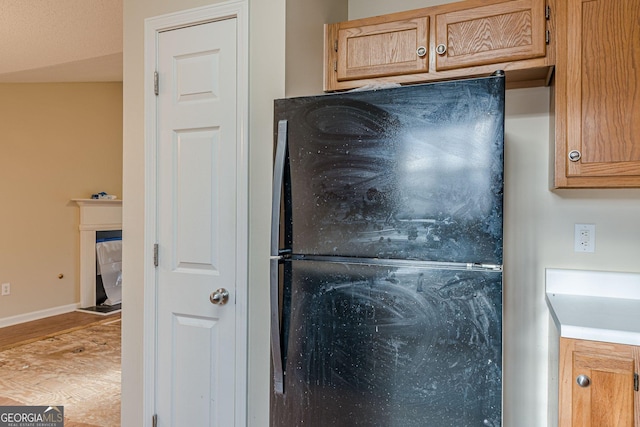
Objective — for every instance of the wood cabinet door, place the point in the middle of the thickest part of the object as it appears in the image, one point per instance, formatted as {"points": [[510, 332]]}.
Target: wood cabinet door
{"points": [[607, 399], [603, 91], [383, 49], [508, 31]]}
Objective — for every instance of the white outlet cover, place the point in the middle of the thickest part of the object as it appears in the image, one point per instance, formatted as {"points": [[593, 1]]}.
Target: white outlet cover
{"points": [[585, 238]]}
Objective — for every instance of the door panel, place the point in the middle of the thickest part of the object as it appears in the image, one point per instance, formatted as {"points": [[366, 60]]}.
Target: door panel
{"points": [[192, 338], [196, 219], [198, 154]]}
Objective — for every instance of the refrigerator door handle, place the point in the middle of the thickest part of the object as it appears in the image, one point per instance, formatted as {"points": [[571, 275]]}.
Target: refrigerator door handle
{"points": [[278, 174]]}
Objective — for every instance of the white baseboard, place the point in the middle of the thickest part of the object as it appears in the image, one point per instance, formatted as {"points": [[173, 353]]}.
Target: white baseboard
{"points": [[27, 317]]}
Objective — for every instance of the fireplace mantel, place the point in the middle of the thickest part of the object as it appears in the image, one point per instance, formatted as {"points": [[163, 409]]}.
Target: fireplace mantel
{"points": [[95, 215]]}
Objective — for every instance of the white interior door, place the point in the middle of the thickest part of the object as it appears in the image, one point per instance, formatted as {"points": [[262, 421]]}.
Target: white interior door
{"points": [[197, 225]]}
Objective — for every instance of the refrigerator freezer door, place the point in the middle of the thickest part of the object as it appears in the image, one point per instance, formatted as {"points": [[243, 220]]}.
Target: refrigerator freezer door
{"points": [[375, 345], [410, 173]]}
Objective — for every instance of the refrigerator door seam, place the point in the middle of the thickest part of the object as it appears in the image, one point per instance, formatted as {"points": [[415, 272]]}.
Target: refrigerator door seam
{"points": [[400, 262]]}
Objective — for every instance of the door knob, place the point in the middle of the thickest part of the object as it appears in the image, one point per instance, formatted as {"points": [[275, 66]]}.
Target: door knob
{"points": [[583, 381], [219, 297]]}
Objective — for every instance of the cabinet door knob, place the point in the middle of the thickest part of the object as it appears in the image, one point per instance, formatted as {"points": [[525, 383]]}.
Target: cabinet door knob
{"points": [[441, 49], [583, 381], [421, 51], [574, 155]]}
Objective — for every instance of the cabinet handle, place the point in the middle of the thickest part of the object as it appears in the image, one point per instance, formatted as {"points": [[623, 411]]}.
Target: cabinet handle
{"points": [[583, 381], [441, 49], [421, 51], [574, 155]]}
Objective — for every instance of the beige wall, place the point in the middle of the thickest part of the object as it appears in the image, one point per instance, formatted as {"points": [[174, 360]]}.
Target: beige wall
{"points": [[538, 234], [59, 142]]}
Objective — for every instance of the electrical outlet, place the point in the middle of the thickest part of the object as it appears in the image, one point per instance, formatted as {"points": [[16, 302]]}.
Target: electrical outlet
{"points": [[6, 289], [585, 238]]}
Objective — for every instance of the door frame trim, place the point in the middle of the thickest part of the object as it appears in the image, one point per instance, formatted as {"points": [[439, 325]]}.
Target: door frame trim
{"points": [[237, 9]]}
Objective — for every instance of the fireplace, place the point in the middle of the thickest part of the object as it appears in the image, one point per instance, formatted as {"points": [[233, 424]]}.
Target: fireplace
{"points": [[95, 215]]}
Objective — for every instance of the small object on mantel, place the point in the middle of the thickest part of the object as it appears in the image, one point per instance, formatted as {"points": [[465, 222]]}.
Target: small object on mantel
{"points": [[103, 195]]}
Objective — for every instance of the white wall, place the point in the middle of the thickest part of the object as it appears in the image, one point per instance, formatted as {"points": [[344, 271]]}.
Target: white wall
{"points": [[266, 82], [538, 234], [305, 43]]}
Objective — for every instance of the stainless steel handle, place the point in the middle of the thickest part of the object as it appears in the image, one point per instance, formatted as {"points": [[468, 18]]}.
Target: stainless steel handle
{"points": [[219, 297], [574, 155], [421, 51], [583, 381], [278, 174], [441, 49]]}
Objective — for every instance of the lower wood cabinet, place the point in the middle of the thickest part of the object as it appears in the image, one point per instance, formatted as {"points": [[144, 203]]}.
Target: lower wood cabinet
{"points": [[598, 384]]}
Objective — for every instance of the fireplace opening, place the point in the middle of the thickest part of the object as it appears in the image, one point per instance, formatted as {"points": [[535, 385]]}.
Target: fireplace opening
{"points": [[108, 272], [109, 268]]}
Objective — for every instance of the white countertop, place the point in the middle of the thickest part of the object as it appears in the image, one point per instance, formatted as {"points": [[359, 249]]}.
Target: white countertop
{"points": [[595, 305]]}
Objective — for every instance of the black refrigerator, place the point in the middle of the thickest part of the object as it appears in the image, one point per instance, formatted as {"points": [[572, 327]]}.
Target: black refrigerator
{"points": [[386, 257]]}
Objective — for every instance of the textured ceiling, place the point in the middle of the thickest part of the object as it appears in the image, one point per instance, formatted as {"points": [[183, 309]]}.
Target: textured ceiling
{"points": [[60, 40]]}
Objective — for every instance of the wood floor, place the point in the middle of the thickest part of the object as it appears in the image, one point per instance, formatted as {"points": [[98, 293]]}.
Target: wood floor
{"points": [[72, 360], [23, 333]]}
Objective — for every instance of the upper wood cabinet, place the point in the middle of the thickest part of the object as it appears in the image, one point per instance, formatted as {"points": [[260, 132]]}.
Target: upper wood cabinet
{"points": [[464, 39], [503, 32], [597, 384], [383, 49], [597, 94]]}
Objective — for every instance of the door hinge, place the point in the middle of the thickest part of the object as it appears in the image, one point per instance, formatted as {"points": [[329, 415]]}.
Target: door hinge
{"points": [[635, 382], [335, 65], [547, 36], [335, 45], [547, 12], [155, 254], [156, 86], [154, 420]]}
